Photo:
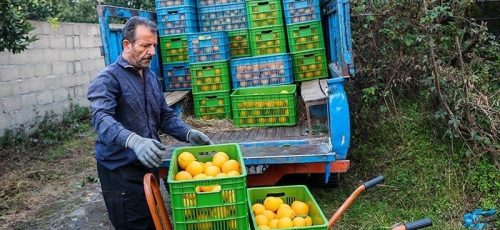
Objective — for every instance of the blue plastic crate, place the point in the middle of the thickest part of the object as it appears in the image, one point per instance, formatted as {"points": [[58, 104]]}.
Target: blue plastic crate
{"points": [[298, 11], [177, 77], [222, 17], [201, 3], [174, 3], [177, 20], [210, 46], [262, 71]]}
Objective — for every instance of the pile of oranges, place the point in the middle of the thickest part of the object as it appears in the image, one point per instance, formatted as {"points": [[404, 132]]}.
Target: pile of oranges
{"points": [[273, 213], [221, 166]]}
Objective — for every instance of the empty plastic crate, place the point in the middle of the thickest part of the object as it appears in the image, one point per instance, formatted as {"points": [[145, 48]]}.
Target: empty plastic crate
{"points": [[210, 77], [210, 46], [212, 105], [264, 13], [174, 49], [264, 106], [222, 17], [297, 11], [269, 40], [305, 36], [239, 43], [177, 20], [177, 77], [224, 208], [261, 71], [309, 65]]}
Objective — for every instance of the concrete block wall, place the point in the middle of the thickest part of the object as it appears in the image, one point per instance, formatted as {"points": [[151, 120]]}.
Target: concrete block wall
{"points": [[52, 74]]}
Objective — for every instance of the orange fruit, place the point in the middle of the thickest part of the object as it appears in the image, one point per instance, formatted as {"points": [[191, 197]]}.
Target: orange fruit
{"points": [[184, 159], [183, 175], [285, 212], [261, 220], [285, 222], [258, 208], [206, 164], [272, 203], [233, 173], [195, 168], [274, 223], [219, 158], [285, 206], [299, 222], [264, 227], [200, 176], [212, 170], [309, 221], [230, 165], [269, 214], [300, 208], [221, 175]]}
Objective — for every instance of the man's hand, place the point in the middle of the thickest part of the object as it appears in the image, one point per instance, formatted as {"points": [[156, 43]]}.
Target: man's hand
{"points": [[147, 150], [196, 137]]}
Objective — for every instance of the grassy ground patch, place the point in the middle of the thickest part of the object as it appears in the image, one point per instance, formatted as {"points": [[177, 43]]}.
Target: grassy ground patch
{"points": [[426, 176]]}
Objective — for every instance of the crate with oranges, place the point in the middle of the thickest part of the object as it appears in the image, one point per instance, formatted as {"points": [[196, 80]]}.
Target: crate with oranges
{"points": [[285, 207], [207, 187], [210, 77], [212, 105]]}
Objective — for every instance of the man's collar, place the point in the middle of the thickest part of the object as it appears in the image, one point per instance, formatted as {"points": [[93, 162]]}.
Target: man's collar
{"points": [[121, 61]]}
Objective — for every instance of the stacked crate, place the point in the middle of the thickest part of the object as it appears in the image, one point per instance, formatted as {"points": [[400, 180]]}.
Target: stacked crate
{"points": [[209, 55], [176, 18], [226, 15], [305, 39], [265, 22]]}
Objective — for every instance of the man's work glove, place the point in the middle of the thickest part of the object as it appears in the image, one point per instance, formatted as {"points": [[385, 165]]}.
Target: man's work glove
{"points": [[147, 150], [196, 137]]}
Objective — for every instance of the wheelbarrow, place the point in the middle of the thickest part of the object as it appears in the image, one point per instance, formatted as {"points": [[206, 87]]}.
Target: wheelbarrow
{"points": [[162, 221]]}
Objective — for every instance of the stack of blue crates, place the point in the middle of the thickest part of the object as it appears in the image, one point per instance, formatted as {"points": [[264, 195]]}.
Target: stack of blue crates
{"points": [[176, 19]]}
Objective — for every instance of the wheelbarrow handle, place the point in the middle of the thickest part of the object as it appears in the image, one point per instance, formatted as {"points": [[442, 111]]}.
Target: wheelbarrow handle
{"points": [[423, 223], [369, 184]]}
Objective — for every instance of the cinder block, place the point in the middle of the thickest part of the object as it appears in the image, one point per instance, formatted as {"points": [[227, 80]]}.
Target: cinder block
{"points": [[23, 118], [67, 54], [66, 81], [6, 122], [85, 42], [76, 41], [80, 29], [37, 25], [5, 89], [19, 58], [77, 66], [60, 94], [59, 68], [11, 103], [53, 81], [95, 53], [51, 55], [4, 58], [29, 85], [47, 28], [87, 65], [45, 97], [29, 100], [93, 29], [43, 69], [8, 73], [68, 28], [99, 63], [26, 71], [71, 67], [33, 56], [57, 41], [41, 43], [97, 41], [69, 42], [81, 54]]}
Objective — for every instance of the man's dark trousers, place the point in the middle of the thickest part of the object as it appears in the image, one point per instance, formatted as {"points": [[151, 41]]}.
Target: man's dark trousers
{"points": [[123, 193]]}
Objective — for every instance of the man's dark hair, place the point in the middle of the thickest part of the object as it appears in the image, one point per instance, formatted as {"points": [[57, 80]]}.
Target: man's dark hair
{"points": [[131, 25]]}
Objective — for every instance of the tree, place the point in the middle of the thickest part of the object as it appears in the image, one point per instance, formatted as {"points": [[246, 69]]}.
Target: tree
{"points": [[14, 27]]}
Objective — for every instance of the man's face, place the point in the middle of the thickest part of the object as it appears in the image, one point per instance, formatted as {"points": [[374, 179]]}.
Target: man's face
{"points": [[140, 53]]}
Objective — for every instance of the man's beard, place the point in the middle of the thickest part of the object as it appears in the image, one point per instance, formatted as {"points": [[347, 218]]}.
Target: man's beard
{"points": [[144, 63]]}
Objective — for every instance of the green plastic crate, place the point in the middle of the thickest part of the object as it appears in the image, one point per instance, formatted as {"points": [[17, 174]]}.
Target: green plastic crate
{"points": [[269, 40], [309, 65], [174, 49], [264, 13], [220, 210], [264, 106], [289, 194], [212, 105], [210, 77], [305, 36], [240, 43]]}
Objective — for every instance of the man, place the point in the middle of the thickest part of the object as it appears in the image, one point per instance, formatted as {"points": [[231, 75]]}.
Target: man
{"points": [[128, 110]]}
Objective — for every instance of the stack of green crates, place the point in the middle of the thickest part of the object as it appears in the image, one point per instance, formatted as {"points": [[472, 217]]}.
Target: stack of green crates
{"points": [[225, 208], [265, 23], [305, 39]]}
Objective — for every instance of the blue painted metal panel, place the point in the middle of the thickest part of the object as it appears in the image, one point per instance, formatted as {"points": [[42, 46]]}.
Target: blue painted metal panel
{"points": [[112, 38], [338, 113], [338, 33]]}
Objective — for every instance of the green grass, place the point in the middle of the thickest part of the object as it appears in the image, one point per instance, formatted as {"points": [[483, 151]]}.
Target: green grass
{"points": [[426, 176]]}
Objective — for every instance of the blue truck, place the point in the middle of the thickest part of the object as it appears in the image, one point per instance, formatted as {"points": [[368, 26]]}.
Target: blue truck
{"points": [[271, 153]]}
